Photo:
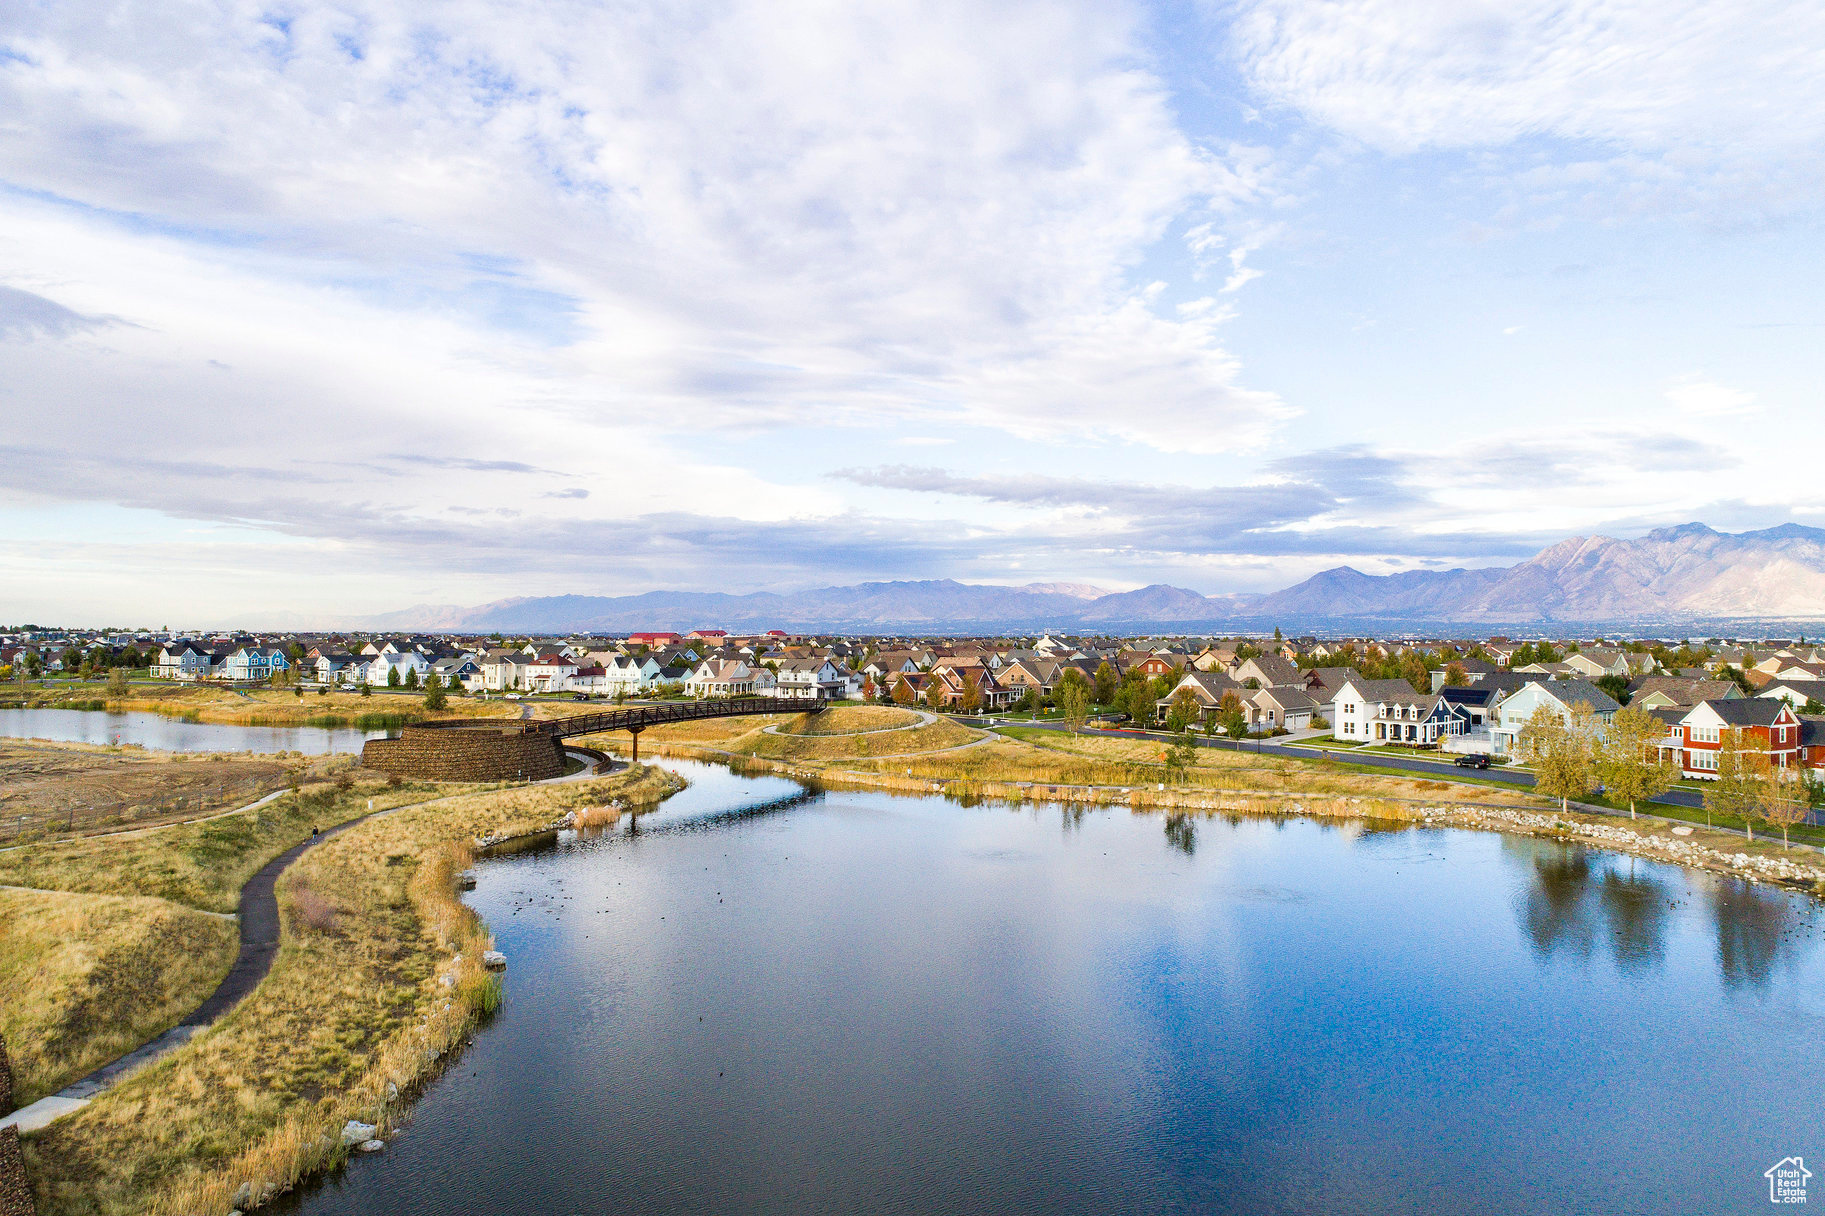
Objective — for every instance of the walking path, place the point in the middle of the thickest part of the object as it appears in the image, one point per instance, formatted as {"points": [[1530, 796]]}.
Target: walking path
{"points": [[259, 920]]}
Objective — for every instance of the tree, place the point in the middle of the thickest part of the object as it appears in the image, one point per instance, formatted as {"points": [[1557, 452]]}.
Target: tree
{"points": [[1560, 753], [1456, 676], [411, 677], [1616, 687], [1029, 701], [1742, 778], [434, 692], [1181, 711], [1623, 758], [970, 699], [1105, 683], [117, 682], [367, 690], [1074, 700], [1181, 757], [903, 693], [1231, 716], [1790, 797], [392, 676], [1736, 677]]}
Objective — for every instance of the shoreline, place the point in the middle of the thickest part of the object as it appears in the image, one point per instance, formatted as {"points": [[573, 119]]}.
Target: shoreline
{"points": [[1650, 837]]}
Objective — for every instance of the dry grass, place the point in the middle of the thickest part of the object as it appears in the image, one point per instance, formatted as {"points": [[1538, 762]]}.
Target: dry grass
{"points": [[270, 706], [202, 865], [50, 790], [835, 735], [89, 977], [842, 719], [355, 1014]]}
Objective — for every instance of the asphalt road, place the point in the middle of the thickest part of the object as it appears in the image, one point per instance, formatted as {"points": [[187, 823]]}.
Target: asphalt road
{"points": [[1296, 751]]}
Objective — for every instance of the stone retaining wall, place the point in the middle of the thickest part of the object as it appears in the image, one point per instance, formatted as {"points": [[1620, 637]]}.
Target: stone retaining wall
{"points": [[464, 753], [6, 1079], [15, 1192]]}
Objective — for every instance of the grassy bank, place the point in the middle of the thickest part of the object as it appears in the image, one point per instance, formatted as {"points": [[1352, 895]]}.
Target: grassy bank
{"points": [[263, 706], [200, 865], [48, 790], [377, 980], [90, 977]]}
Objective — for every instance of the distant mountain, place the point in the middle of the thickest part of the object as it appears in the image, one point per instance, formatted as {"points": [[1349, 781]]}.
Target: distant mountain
{"points": [[1686, 573], [1689, 572]]}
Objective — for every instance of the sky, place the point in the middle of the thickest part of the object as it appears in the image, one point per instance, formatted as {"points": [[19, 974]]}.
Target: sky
{"points": [[310, 311]]}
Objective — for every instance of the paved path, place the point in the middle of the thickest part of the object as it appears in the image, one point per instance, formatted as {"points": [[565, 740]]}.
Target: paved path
{"points": [[259, 918]]}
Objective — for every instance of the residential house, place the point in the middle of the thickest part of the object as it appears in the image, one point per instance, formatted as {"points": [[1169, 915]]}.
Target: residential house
{"points": [[1677, 692], [947, 685], [457, 671], [254, 663], [404, 663], [1597, 662], [1561, 696], [183, 660], [1282, 707], [810, 679], [728, 678], [334, 667], [1207, 687], [550, 672], [1708, 728], [1797, 693], [505, 671], [1389, 711], [1266, 670]]}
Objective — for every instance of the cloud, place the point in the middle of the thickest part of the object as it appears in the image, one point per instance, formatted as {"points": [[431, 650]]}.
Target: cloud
{"points": [[573, 492], [25, 314], [1662, 97], [730, 214]]}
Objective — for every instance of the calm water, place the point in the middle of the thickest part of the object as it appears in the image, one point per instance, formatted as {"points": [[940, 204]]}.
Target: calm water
{"points": [[173, 735], [865, 1003]]}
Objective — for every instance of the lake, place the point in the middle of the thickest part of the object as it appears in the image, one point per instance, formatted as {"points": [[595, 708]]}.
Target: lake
{"points": [[175, 735], [856, 1002]]}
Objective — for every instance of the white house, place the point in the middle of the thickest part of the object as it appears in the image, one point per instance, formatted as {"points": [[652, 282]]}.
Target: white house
{"points": [[504, 671], [1390, 711], [809, 680], [728, 678], [404, 662], [551, 673]]}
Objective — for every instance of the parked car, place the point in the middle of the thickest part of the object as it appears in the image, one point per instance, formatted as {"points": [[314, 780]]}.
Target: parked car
{"points": [[1475, 760]]}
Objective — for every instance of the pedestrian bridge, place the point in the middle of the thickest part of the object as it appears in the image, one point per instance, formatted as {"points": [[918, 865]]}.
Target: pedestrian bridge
{"points": [[484, 749]]}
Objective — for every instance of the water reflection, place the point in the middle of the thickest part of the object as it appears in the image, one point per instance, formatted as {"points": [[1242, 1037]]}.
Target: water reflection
{"points": [[1579, 902], [1754, 931], [1182, 834]]}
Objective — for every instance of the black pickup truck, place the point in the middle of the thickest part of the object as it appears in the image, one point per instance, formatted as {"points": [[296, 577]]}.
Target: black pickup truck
{"points": [[1474, 760]]}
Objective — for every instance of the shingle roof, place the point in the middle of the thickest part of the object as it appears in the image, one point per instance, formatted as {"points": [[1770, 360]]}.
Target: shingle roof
{"points": [[1746, 711]]}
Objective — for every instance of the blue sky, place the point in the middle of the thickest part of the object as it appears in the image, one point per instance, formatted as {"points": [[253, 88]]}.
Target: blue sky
{"points": [[311, 311]]}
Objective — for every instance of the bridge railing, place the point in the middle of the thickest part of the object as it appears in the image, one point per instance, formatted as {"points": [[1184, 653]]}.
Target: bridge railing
{"points": [[640, 717]]}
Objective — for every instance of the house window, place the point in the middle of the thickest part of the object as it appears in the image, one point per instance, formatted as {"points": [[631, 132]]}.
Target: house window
{"points": [[1704, 760]]}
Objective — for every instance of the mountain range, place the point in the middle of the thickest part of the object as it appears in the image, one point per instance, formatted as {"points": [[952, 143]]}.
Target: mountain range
{"points": [[1689, 573]]}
